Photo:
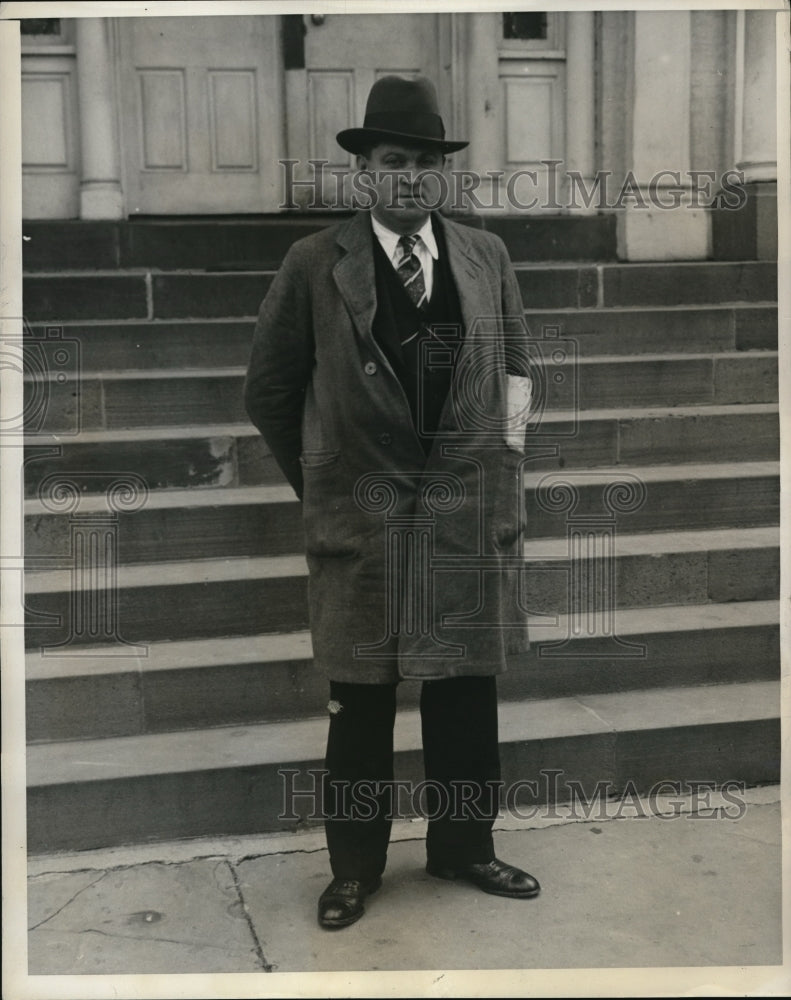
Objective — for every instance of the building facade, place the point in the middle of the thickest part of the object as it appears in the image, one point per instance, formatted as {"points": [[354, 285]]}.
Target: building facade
{"points": [[648, 112]]}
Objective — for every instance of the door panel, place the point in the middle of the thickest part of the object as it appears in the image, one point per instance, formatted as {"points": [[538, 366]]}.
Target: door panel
{"points": [[163, 119], [330, 101]]}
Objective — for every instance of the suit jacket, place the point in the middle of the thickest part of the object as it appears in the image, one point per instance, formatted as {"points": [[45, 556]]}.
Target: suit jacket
{"points": [[412, 560]]}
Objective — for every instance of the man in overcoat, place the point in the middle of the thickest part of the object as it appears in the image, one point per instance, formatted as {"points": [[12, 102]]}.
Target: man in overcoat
{"points": [[384, 365]]}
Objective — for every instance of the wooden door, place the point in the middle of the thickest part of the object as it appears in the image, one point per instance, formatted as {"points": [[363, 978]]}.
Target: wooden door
{"points": [[342, 56], [532, 82], [201, 110]]}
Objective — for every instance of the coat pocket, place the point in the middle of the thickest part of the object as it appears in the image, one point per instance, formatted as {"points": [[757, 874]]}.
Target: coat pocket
{"points": [[318, 459], [329, 513]]}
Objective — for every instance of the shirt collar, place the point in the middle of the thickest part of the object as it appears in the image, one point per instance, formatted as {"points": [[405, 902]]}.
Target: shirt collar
{"points": [[389, 239]]}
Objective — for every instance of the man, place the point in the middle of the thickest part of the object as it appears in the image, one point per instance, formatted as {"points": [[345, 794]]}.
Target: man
{"points": [[383, 360]]}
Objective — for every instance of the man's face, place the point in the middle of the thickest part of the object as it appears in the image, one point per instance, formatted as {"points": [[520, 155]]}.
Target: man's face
{"points": [[403, 196]]}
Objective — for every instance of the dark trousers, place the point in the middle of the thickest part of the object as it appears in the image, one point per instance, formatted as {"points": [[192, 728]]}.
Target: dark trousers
{"points": [[462, 770]]}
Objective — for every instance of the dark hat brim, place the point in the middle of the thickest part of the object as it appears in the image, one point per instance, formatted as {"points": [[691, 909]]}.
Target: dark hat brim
{"points": [[355, 140]]}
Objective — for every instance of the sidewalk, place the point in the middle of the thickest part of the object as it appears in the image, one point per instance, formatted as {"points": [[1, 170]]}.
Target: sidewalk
{"points": [[629, 891]]}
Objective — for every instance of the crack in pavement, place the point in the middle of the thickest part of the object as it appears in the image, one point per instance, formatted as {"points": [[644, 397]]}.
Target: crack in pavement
{"points": [[276, 854], [314, 850], [136, 937], [132, 864], [599, 718], [266, 966], [67, 903]]}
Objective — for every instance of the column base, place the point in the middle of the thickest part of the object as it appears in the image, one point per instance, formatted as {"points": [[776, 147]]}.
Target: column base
{"points": [[750, 231], [663, 234], [101, 200]]}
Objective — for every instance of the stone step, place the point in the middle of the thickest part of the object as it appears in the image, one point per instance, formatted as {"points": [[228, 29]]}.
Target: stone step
{"points": [[98, 793], [109, 295], [563, 237], [163, 243], [115, 400], [211, 598], [677, 497], [267, 520], [196, 345], [234, 454], [647, 330], [95, 692], [263, 240], [190, 345], [680, 283], [75, 295]]}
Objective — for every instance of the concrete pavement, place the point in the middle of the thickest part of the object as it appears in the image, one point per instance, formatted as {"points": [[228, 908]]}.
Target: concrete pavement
{"points": [[624, 888]]}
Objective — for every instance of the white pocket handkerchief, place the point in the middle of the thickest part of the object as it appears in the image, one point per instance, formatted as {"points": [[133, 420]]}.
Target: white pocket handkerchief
{"points": [[519, 398]]}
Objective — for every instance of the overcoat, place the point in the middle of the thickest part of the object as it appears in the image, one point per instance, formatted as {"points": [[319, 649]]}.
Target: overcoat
{"points": [[414, 559]]}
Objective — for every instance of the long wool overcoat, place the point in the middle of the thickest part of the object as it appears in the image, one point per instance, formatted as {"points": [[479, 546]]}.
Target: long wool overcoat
{"points": [[413, 560]]}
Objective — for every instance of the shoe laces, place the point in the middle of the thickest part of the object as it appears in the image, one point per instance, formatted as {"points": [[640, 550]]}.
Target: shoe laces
{"points": [[347, 885]]}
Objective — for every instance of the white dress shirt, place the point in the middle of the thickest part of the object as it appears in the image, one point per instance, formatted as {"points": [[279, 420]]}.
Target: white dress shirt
{"points": [[425, 250]]}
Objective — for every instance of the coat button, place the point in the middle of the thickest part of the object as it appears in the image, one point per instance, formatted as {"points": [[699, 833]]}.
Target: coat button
{"points": [[370, 368], [385, 438]]}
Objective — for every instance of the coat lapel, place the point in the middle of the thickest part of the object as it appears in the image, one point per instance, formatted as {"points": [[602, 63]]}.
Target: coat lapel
{"points": [[476, 288], [468, 273], [354, 273]]}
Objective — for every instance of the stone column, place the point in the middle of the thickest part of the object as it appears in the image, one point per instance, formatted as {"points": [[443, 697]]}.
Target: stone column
{"points": [[748, 230], [100, 188], [482, 86], [756, 132], [659, 224], [580, 102]]}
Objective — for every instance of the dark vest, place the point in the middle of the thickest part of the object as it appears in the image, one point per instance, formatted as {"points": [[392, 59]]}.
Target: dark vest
{"points": [[424, 365]]}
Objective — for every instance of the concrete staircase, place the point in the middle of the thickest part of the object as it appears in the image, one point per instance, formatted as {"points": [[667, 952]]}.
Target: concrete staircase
{"points": [[184, 733]]}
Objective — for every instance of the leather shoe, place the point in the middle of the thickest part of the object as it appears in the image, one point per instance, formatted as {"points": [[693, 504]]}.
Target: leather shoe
{"points": [[496, 877], [341, 903]]}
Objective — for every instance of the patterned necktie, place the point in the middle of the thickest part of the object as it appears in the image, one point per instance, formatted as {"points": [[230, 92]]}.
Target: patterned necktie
{"points": [[410, 271]]}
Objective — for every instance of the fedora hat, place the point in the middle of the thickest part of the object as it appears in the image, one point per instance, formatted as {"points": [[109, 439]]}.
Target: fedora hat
{"points": [[400, 109]]}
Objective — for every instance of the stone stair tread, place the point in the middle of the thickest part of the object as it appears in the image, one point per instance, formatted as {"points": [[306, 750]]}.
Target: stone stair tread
{"points": [[177, 321], [264, 494], [173, 655], [659, 473], [187, 498], [121, 757], [159, 374], [650, 412], [187, 321], [234, 371], [244, 429], [150, 433], [632, 308], [295, 646], [135, 271], [662, 542], [603, 359], [170, 572], [524, 265]]}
